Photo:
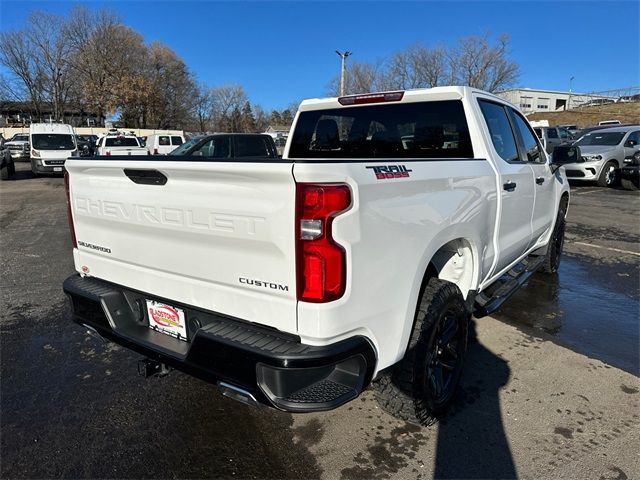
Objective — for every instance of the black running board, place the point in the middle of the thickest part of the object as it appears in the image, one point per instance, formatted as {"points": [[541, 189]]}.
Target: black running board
{"points": [[491, 299]]}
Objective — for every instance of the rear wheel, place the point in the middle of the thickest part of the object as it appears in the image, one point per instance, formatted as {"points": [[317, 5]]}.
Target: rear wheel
{"points": [[4, 173], [609, 175], [628, 184], [12, 169], [422, 386]]}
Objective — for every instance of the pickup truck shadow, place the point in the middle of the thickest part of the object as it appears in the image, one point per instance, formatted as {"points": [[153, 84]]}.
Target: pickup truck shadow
{"points": [[472, 443]]}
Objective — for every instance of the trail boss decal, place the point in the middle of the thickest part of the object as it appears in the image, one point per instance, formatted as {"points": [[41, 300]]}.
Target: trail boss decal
{"points": [[390, 171]]}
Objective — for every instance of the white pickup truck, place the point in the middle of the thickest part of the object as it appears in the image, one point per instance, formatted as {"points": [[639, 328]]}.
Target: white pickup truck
{"points": [[119, 143], [357, 257]]}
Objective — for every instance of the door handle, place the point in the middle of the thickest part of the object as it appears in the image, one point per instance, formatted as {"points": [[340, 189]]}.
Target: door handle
{"points": [[540, 180], [509, 186]]}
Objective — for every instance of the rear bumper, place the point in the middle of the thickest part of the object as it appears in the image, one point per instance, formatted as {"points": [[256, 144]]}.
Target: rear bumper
{"points": [[275, 368]]}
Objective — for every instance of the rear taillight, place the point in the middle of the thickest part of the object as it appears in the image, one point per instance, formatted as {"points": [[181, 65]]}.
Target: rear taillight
{"points": [[72, 229], [321, 262]]}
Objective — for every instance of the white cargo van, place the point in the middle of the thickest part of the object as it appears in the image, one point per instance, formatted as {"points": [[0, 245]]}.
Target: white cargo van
{"points": [[51, 145], [162, 144]]}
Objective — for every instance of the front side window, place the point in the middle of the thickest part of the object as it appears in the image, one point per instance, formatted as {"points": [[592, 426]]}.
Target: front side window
{"points": [[252, 146], [407, 130], [163, 141], [633, 137], [552, 133], [500, 130], [52, 141], [531, 145]]}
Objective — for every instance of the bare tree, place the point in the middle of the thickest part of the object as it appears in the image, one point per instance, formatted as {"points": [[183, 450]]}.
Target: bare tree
{"points": [[478, 63], [203, 106], [51, 53], [16, 54], [227, 99]]}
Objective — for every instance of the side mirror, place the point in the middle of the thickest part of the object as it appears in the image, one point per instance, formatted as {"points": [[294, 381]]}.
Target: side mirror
{"points": [[563, 155]]}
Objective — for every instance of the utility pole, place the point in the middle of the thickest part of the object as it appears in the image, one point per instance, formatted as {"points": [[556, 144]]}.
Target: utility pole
{"points": [[343, 65], [569, 100]]}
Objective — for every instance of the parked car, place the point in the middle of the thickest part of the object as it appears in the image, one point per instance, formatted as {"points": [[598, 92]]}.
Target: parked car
{"points": [[119, 143], [296, 281], [19, 147], [51, 145], [608, 122], [86, 144], [602, 154], [229, 146], [7, 167], [551, 137], [571, 129], [163, 144], [630, 172]]}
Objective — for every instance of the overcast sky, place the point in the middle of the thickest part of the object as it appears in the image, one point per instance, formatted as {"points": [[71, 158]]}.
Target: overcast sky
{"points": [[285, 51]]}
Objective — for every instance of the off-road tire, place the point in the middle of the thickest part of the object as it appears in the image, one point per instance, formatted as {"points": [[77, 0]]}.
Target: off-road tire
{"points": [[628, 184], [407, 390], [553, 256], [608, 175]]}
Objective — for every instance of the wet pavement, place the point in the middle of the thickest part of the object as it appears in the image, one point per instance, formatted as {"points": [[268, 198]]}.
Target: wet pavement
{"points": [[74, 407], [593, 304]]}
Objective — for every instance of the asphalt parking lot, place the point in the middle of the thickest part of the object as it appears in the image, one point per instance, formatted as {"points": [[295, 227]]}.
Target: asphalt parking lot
{"points": [[551, 387]]}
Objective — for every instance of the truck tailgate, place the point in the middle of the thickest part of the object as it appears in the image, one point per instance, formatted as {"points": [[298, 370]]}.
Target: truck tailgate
{"points": [[215, 235]]}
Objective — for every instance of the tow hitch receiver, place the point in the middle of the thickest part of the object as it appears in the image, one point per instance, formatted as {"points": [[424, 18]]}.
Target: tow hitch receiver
{"points": [[150, 368]]}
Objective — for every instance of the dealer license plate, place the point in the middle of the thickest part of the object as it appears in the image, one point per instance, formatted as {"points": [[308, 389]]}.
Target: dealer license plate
{"points": [[57, 169], [167, 319]]}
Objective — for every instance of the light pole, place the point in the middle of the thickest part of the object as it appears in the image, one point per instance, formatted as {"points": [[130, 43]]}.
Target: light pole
{"points": [[343, 65], [569, 100]]}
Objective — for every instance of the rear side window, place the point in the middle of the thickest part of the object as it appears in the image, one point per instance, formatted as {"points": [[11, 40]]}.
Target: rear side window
{"points": [[552, 133], [163, 141], [500, 130], [410, 130], [121, 142], [252, 146], [176, 141]]}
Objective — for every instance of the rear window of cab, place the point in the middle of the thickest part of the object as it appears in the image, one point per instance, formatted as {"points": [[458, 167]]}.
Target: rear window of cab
{"points": [[409, 130]]}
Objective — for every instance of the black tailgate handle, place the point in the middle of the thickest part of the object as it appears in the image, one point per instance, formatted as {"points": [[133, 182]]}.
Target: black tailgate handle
{"points": [[145, 177]]}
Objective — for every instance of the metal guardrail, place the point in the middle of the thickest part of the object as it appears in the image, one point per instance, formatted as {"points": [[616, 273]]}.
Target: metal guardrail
{"points": [[604, 97]]}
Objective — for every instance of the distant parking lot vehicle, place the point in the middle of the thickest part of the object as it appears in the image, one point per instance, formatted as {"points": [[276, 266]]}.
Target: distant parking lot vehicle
{"points": [[228, 146], [630, 172], [7, 167], [602, 154], [86, 144], [551, 137], [158, 144], [571, 129], [19, 147], [119, 143], [608, 122], [51, 145]]}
